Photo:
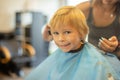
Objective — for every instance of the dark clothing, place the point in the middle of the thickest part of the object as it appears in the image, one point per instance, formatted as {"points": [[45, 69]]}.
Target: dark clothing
{"points": [[96, 33]]}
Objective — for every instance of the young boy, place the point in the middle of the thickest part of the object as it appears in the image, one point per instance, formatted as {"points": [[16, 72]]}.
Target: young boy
{"points": [[75, 59]]}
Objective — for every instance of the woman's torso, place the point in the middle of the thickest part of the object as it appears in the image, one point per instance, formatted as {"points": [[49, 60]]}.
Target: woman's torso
{"points": [[106, 31], [106, 26]]}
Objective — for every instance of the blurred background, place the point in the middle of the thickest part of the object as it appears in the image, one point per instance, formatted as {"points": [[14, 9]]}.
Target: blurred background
{"points": [[22, 47]]}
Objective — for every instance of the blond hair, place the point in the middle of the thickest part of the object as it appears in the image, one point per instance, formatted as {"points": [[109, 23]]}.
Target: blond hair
{"points": [[70, 15]]}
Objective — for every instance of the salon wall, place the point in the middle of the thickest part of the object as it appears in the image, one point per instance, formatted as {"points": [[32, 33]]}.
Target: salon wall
{"points": [[9, 7], [75, 2]]}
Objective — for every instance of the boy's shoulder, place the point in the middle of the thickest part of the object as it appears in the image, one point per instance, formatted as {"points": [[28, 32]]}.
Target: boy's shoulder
{"points": [[94, 52]]}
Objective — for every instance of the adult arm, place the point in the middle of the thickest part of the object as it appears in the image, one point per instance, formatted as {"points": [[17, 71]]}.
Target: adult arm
{"points": [[84, 7]]}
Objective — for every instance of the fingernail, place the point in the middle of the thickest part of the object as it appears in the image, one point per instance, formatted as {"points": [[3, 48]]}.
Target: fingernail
{"points": [[110, 39], [102, 38], [99, 44]]}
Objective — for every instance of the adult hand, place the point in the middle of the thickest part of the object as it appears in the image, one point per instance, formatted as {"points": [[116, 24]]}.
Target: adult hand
{"points": [[108, 45], [46, 34]]}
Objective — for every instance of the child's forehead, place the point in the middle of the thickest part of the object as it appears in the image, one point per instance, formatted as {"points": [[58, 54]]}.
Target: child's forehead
{"points": [[64, 27]]}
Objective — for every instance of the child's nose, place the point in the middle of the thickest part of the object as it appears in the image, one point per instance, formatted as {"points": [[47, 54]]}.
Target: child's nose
{"points": [[61, 37]]}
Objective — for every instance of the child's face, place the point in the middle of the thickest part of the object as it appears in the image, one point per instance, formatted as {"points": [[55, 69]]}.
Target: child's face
{"points": [[66, 38]]}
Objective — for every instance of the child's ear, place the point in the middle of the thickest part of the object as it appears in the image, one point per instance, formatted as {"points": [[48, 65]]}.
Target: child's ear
{"points": [[49, 32], [48, 29]]}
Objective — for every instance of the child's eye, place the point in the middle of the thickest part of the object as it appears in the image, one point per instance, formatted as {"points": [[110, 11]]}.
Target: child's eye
{"points": [[67, 32], [55, 33]]}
